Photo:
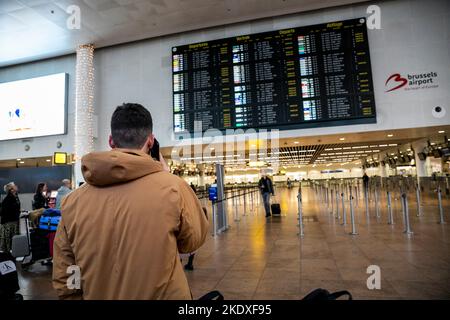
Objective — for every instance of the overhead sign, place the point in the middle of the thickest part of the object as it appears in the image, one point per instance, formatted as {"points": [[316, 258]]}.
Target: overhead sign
{"points": [[60, 158]]}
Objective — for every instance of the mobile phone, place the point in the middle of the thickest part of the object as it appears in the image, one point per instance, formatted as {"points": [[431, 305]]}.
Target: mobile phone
{"points": [[154, 151]]}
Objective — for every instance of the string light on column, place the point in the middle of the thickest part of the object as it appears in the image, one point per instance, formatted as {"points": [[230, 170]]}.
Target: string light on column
{"points": [[84, 101], [84, 108]]}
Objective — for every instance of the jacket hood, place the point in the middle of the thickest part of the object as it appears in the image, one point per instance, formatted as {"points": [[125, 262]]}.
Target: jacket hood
{"points": [[117, 166]]}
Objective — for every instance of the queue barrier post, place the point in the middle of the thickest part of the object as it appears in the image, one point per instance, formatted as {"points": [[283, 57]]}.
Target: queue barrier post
{"points": [[300, 215], [406, 214], [419, 211], [344, 215], [337, 206], [377, 205], [366, 199], [352, 217], [441, 210], [389, 207], [214, 219]]}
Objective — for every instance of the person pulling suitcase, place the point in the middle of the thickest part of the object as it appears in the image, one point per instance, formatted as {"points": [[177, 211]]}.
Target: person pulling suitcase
{"points": [[266, 188]]}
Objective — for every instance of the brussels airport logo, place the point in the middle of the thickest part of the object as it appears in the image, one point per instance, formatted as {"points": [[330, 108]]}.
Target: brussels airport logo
{"points": [[411, 81]]}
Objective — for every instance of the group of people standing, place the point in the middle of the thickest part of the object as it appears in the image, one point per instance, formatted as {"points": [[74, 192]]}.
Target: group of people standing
{"points": [[10, 209]]}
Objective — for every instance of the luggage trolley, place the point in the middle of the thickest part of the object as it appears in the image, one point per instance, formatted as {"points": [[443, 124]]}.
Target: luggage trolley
{"points": [[37, 242]]}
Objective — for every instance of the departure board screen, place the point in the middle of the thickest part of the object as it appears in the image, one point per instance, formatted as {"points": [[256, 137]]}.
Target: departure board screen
{"points": [[286, 79]]}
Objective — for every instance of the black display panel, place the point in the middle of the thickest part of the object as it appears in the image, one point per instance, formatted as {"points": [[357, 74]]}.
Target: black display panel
{"points": [[28, 178], [287, 79]]}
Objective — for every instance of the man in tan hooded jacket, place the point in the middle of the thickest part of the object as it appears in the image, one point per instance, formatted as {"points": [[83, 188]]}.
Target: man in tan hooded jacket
{"points": [[125, 227]]}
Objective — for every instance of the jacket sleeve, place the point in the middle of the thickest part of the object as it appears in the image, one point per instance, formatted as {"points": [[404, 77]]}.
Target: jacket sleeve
{"points": [[7, 207], [193, 223], [3, 207], [63, 257]]}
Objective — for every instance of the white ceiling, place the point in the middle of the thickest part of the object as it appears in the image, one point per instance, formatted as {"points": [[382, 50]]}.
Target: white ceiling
{"points": [[36, 29]]}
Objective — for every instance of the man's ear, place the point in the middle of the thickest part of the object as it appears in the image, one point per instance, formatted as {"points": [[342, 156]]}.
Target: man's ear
{"points": [[148, 143], [151, 140], [111, 142]]}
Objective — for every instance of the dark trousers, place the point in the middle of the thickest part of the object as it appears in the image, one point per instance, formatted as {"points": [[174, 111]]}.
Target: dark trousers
{"points": [[266, 201]]}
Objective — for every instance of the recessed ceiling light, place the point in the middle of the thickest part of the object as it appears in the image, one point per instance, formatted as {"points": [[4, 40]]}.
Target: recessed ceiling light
{"points": [[390, 135], [296, 142], [19, 159], [48, 160], [442, 131], [342, 139], [22, 162]]}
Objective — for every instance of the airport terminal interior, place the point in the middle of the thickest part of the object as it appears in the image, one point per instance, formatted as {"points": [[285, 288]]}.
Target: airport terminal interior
{"points": [[344, 105]]}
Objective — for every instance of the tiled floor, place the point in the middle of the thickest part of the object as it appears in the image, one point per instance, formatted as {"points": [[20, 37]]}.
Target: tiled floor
{"points": [[265, 259]]}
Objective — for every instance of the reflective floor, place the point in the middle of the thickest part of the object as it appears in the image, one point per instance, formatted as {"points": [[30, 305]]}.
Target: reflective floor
{"points": [[259, 258]]}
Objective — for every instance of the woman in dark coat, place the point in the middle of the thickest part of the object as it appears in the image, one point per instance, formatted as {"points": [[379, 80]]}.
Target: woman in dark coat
{"points": [[9, 217], [39, 200]]}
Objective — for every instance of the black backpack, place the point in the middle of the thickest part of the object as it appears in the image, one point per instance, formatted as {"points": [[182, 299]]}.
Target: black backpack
{"points": [[9, 281], [324, 295]]}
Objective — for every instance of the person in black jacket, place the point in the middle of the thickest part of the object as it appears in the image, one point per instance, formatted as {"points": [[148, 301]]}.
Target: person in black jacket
{"points": [[39, 200], [365, 179], [266, 188], [10, 214]]}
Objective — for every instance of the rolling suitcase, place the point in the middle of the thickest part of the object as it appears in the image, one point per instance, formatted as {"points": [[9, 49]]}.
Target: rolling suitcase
{"points": [[40, 248], [20, 246], [276, 209]]}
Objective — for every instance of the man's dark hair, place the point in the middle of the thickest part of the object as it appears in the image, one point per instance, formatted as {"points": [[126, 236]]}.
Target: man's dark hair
{"points": [[131, 124]]}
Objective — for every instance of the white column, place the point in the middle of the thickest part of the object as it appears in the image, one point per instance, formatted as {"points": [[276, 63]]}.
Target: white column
{"points": [[84, 107], [201, 177], [382, 171], [387, 169]]}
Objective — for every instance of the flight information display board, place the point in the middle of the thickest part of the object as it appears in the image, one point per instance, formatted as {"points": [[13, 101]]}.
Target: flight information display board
{"points": [[294, 78]]}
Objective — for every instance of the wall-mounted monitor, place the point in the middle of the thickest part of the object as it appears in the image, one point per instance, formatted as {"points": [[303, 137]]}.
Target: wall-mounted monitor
{"points": [[303, 77], [33, 107]]}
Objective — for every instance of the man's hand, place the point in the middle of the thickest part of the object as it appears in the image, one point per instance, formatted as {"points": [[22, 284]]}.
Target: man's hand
{"points": [[163, 162]]}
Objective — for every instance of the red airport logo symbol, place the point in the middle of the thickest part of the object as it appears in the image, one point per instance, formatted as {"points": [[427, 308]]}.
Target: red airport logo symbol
{"points": [[396, 79]]}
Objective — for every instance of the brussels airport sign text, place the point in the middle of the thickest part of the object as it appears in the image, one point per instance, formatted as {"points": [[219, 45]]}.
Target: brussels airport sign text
{"points": [[413, 81]]}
